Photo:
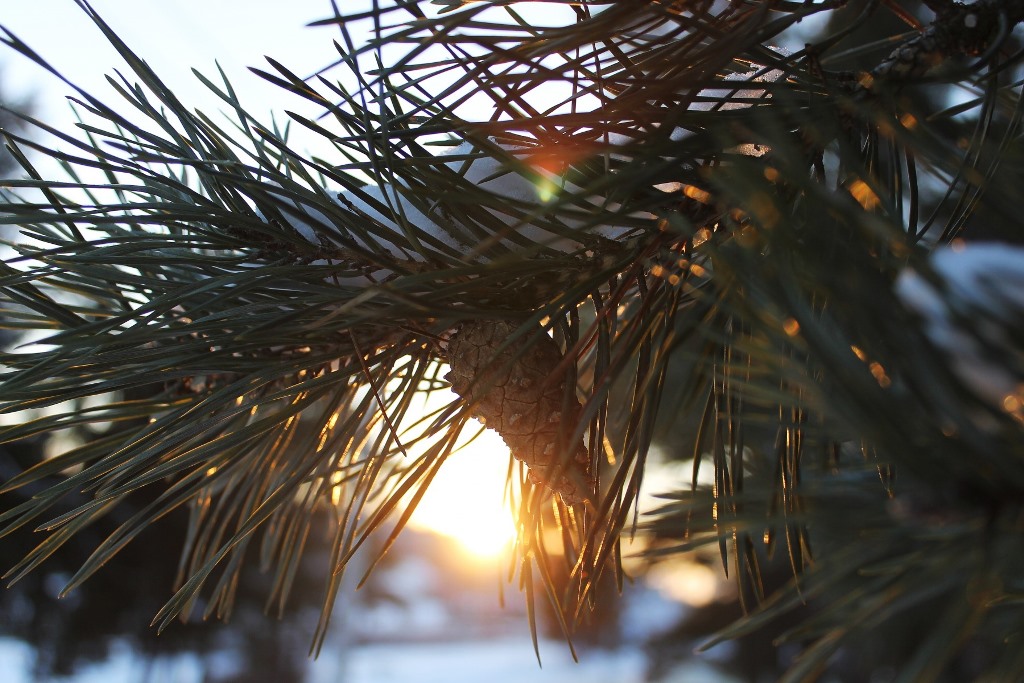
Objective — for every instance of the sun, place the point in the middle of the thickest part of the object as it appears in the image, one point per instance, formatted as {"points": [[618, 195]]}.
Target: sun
{"points": [[465, 503]]}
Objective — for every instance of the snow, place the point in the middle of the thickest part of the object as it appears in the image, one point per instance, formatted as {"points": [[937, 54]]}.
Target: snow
{"points": [[508, 660], [17, 656], [742, 97], [387, 213], [122, 666], [986, 276], [505, 660], [969, 305], [647, 614], [436, 618]]}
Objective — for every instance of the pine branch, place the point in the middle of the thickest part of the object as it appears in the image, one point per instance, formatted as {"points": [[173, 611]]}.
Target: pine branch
{"points": [[958, 30], [654, 192]]}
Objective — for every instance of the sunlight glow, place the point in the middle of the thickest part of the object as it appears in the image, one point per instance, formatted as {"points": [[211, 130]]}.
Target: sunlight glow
{"points": [[688, 582], [465, 503]]}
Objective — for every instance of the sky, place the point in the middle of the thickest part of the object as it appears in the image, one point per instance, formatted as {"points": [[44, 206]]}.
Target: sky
{"points": [[174, 36]]}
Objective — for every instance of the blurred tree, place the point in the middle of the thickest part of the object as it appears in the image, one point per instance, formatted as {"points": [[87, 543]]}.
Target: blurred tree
{"points": [[92, 623], [627, 187]]}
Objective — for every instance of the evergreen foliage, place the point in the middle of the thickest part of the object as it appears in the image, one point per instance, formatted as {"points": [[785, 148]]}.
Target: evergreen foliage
{"points": [[692, 230]]}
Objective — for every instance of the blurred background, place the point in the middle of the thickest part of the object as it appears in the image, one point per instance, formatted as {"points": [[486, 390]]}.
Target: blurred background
{"points": [[440, 608]]}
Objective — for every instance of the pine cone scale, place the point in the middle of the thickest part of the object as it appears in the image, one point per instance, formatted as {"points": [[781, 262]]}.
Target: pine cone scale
{"points": [[514, 391]]}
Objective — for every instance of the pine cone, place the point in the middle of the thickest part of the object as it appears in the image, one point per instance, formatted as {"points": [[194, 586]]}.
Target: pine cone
{"points": [[512, 392]]}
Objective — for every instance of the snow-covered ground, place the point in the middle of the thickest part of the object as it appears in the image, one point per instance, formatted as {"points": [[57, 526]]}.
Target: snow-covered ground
{"points": [[506, 660], [429, 629]]}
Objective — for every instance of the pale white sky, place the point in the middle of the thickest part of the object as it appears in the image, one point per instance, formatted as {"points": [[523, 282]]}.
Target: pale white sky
{"points": [[172, 36]]}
